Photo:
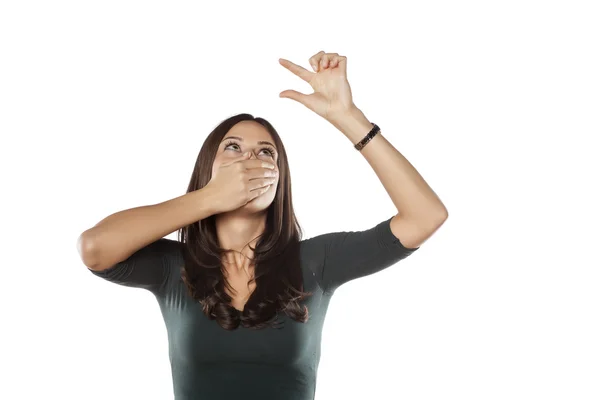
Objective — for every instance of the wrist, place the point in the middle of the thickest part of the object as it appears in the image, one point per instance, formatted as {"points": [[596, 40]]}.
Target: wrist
{"points": [[352, 123], [208, 201]]}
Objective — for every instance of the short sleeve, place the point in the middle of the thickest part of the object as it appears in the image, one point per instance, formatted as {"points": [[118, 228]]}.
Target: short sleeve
{"points": [[151, 268], [340, 257]]}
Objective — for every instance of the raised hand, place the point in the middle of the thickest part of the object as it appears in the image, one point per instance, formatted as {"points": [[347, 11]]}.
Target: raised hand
{"points": [[332, 95]]}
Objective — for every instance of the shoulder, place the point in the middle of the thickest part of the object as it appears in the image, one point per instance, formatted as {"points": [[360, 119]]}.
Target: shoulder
{"points": [[311, 261], [153, 267], [338, 257], [171, 251], [168, 252], [167, 247], [312, 249]]}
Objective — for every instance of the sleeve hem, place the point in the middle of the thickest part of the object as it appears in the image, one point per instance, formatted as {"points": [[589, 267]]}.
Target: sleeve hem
{"points": [[393, 239], [105, 272]]}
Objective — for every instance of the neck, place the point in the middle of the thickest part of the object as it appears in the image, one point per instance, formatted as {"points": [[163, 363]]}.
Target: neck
{"points": [[237, 231]]}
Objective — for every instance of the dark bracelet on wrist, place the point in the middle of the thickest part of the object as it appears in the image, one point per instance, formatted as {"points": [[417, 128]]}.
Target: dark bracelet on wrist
{"points": [[359, 146]]}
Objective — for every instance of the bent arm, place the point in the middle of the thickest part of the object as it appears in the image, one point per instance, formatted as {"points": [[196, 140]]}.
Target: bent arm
{"points": [[120, 235], [420, 211], [340, 257]]}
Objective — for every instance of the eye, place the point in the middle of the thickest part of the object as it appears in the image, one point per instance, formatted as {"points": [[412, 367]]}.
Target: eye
{"points": [[231, 144], [269, 150]]}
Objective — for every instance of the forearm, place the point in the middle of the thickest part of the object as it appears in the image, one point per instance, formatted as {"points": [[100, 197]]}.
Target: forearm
{"points": [[407, 189], [121, 234]]}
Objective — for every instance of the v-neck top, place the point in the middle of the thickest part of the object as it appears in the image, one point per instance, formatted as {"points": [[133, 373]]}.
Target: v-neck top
{"points": [[209, 362]]}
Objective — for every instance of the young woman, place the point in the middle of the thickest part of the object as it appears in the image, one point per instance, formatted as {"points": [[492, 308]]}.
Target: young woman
{"points": [[243, 296]]}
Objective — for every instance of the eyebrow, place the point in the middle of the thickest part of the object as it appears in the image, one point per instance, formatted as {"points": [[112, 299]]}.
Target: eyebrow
{"points": [[241, 140]]}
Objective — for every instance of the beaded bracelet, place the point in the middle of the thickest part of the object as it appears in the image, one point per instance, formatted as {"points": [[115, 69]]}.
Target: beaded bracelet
{"points": [[358, 146]]}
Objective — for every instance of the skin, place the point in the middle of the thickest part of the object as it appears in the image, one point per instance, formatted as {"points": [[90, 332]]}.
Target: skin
{"points": [[239, 228], [121, 234], [420, 211]]}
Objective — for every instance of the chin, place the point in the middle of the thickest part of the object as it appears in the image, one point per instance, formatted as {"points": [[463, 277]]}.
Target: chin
{"points": [[259, 204], [255, 206]]}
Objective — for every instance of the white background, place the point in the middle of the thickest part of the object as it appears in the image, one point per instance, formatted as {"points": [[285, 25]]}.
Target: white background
{"points": [[105, 105]]}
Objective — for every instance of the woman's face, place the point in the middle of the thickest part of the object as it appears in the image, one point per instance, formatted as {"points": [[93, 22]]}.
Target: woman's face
{"points": [[249, 136]]}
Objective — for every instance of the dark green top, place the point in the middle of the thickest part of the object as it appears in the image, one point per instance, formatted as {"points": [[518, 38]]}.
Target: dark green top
{"points": [[211, 363]]}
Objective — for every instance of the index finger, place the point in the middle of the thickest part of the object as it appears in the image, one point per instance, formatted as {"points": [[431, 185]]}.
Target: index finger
{"points": [[254, 163], [297, 70]]}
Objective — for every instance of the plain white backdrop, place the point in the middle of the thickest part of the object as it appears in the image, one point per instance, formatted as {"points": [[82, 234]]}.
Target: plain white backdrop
{"points": [[105, 105]]}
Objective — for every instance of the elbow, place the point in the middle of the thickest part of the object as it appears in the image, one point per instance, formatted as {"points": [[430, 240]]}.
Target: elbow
{"points": [[439, 216], [87, 249], [444, 215]]}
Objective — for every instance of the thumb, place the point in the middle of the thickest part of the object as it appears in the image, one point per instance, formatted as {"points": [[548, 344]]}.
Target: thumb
{"points": [[297, 96]]}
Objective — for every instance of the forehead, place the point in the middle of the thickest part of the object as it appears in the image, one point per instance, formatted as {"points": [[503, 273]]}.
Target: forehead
{"points": [[250, 131]]}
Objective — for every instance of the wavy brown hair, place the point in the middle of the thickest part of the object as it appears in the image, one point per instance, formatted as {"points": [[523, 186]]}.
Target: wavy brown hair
{"points": [[277, 270]]}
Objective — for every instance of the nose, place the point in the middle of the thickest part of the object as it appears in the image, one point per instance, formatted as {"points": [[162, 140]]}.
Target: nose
{"points": [[252, 155]]}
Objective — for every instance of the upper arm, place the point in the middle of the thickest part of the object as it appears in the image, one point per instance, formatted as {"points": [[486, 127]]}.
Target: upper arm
{"points": [[149, 268], [344, 256], [412, 233]]}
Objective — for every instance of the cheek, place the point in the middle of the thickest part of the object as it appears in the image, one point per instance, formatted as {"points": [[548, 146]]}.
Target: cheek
{"points": [[214, 168]]}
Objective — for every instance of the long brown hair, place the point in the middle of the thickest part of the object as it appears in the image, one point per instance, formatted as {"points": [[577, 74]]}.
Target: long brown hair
{"points": [[277, 270]]}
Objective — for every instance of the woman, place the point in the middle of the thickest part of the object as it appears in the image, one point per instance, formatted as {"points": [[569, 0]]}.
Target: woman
{"points": [[243, 296]]}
